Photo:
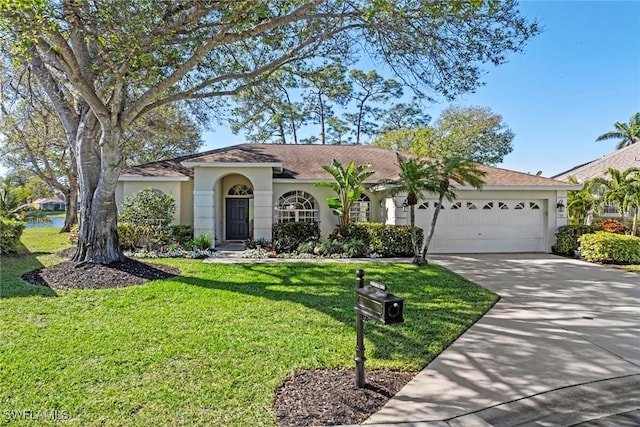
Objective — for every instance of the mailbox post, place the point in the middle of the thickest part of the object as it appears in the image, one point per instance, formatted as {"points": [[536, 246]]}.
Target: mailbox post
{"points": [[372, 302]]}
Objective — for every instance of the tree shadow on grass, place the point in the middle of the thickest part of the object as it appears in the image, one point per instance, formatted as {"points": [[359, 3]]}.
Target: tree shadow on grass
{"points": [[434, 315], [13, 266]]}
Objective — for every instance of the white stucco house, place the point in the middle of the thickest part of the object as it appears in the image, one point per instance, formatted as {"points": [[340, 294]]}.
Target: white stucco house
{"points": [[240, 191]]}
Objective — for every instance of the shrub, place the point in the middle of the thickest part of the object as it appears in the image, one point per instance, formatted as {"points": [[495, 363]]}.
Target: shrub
{"points": [[180, 234], [128, 234], [567, 238], [393, 240], [203, 241], [610, 248], [258, 243], [148, 207], [10, 232], [287, 236], [383, 239], [353, 231], [148, 213], [356, 248], [611, 225]]}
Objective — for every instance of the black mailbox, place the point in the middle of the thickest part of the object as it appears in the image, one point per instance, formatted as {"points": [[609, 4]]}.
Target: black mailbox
{"points": [[376, 303]]}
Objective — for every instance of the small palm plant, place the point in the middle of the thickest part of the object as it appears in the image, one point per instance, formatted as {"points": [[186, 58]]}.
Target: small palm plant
{"points": [[348, 184], [582, 204]]}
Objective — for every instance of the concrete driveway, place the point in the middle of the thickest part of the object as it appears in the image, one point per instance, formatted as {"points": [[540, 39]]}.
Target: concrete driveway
{"points": [[561, 347]]}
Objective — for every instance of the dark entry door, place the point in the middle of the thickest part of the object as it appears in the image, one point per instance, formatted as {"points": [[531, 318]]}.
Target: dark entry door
{"points": [[237, 219]]}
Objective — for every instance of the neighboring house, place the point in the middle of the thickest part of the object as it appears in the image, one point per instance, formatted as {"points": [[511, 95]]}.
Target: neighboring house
{"points": [[49, 204], [239, 192], [623, 159]]}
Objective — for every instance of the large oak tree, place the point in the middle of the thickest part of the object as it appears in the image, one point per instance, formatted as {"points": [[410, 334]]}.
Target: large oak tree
{"points": [[104, 65]]}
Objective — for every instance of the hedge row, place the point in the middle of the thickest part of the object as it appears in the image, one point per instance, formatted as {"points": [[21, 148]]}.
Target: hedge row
{"points": [[567, 238], [610, 248], [382, 239]]}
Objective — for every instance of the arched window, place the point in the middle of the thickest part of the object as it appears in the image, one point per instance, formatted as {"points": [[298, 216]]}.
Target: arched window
{"points": [[240, 190], [361, 209], [297, 206]]}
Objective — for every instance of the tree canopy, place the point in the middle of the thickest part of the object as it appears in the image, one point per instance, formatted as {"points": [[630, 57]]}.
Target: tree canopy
{"points": [[475, 133], [105, 65]]}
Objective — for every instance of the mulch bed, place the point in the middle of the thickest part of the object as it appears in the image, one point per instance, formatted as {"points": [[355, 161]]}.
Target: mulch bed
{"points": [[118, 274], [329, 397]]}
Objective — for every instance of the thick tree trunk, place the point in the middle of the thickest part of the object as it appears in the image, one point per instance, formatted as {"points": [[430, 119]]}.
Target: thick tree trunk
{"points": [[71, 212], [98, 173]]}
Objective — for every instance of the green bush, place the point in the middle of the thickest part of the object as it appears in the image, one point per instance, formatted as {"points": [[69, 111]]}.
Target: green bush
{"points": [[353, 231], [382, 239], [203, 241], [567, 238], [10, 235], [261, 243], [287, 236], [328, 247], [393, 240], [148, 213], [610, 248], [180, 234], [129, 235], [148, 207]]}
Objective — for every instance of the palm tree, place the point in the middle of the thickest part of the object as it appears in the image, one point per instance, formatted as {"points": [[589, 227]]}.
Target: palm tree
{"points": [[582, 204], [446, 171], [347, 183], [627, 133], [415, 180], [619, 188]]}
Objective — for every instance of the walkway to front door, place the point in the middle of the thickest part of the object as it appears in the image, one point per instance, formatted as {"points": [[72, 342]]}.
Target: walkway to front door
{"points": [[237, 219]]}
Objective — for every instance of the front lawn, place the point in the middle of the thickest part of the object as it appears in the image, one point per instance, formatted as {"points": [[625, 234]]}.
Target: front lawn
{"points": [[209, 347]]}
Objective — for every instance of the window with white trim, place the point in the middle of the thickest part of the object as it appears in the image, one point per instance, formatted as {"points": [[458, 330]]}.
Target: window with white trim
{"points": [[297, 206], [361, 209]]}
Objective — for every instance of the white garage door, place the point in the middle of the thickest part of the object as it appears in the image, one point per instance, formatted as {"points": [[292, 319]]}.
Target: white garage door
{"points": [[485, 226]]}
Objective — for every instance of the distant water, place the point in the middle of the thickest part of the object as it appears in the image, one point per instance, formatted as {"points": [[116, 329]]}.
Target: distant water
{"points": [[55, 222]]}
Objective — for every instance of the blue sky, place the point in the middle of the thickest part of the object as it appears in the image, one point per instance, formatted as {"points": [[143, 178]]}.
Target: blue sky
{"points": [[571, 84]]}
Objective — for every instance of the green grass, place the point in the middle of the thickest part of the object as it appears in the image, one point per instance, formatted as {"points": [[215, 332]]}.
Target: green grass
{"points": [[631, 268], [54, 214], [209, 347]]}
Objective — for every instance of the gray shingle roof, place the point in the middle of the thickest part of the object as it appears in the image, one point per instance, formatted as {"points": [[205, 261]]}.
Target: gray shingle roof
{"points": [[304, 162], [622, 159]]}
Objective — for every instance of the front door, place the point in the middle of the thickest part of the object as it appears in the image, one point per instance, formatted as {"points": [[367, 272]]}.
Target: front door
{"points": [[237, 219]]}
